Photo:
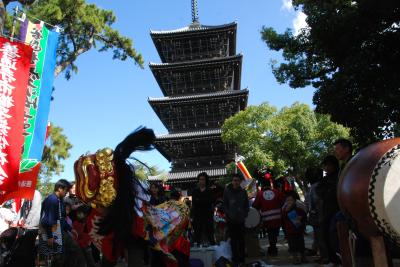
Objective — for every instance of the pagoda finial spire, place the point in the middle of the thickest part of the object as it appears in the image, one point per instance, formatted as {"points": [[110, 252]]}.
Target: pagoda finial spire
{"points": [[195, 14]]}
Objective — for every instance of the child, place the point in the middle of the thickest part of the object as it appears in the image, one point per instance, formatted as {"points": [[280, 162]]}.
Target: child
{"points": [[82, 236], [294, 219], [220, 222]]}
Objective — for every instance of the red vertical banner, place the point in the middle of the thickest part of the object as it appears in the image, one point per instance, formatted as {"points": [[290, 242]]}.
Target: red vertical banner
{"points": [[15, 61]]}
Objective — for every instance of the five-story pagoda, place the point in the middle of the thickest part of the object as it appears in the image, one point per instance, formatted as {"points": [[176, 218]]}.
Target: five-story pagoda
{"points": [[200, 79]]}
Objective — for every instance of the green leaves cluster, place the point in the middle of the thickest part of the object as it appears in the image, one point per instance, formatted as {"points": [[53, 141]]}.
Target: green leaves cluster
{"points": [[349, 52], [288, 141], [83, 27], [55, 151], [143, 172]]}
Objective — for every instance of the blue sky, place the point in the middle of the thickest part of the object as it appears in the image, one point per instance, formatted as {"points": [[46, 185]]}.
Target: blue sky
{"points": [[107, 99]]}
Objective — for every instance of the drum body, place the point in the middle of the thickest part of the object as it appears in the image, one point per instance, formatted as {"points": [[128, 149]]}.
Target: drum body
{"points": [[253, 219], [369, 190]]}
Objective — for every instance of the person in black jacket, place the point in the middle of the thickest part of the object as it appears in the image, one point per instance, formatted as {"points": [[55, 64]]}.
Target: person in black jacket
{"points": [[203, 210], [236, 208], [326, 191]]}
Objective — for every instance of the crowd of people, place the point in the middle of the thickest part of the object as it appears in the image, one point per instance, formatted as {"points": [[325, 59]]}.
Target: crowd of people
{"points": [[53, 228], [280, 208], [53, 231], [57, 223]]}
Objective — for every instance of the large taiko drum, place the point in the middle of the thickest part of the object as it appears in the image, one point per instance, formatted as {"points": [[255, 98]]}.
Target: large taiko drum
{"points": [[369, 190], [253, 218]]}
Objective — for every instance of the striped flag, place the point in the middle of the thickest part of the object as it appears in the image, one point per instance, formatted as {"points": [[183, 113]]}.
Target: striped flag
{"points": [[44, 43], [249, 184], [239, 163], [14, 71]]}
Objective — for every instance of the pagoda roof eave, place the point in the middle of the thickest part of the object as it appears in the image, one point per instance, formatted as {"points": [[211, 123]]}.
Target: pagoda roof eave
{"points": [[184, 136], [195, 63], [188, 32], [189, 135], [163, 152], [188, 175], [193, 30], [158, 68], [228, 93], [163, 121]]}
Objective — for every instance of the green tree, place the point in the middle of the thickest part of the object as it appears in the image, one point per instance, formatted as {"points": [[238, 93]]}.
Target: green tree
{"points": [[84, 27], [288, 141], [56, 149], [142, 171], [349, 52], [3, 12]]}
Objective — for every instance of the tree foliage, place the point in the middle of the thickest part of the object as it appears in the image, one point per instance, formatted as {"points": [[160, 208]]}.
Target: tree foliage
{"points": [[349, 52], [143, 171], [56, 149], [83, 27], [288, 141]]}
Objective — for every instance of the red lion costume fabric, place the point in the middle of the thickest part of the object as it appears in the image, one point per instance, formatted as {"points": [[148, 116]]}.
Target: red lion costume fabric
{"points": [[106, 181]]}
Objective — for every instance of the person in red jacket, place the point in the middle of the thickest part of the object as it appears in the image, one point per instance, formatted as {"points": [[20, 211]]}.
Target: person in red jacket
{"points": [[269, 202], [294, 222]]}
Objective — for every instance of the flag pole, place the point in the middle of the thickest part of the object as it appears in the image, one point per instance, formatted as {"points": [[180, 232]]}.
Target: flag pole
{"points": [[235, 163], [14, 23]]}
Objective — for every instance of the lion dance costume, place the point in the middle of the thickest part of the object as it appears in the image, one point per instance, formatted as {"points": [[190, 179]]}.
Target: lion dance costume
{"points": [[120, 216]]}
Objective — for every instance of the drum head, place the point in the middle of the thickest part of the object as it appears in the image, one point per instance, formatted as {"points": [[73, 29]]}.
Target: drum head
{"points": [[384, 194], [253, 218]]}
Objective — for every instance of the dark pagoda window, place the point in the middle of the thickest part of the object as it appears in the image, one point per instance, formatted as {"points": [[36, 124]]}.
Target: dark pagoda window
{"points": [[179, 50], [194, 48], [201, 114], [214, 44], [191, 82], [202, 79]]}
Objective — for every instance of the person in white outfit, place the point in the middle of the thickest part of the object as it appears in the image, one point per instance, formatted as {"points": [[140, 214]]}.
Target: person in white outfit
{"points": [[7, 216], [28, 221]]}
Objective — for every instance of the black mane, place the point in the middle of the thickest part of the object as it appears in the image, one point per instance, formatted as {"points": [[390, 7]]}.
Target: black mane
{"points": [[120, 215]]}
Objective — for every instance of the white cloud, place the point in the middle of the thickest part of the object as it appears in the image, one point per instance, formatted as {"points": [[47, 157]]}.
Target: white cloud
{"points": [[287, 5], [299, 22]]}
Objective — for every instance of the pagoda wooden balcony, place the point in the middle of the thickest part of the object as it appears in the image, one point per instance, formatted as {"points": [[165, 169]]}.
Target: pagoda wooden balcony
{"points": [[194, 112], [198, 77], [190, 43]]}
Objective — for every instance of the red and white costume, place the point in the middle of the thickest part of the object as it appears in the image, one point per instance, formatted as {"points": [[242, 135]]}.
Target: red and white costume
{"points": [[269, 202]]}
